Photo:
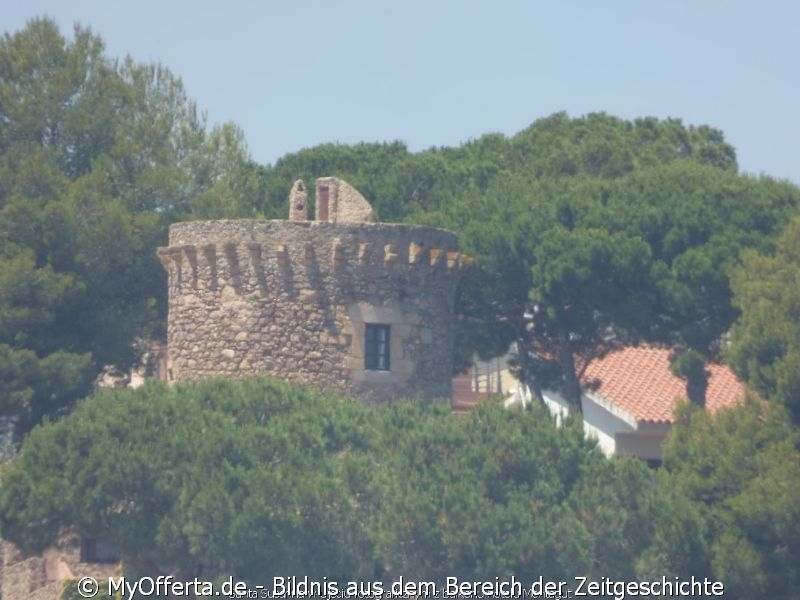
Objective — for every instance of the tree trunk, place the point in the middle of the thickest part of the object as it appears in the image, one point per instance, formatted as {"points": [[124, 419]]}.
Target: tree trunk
{"points": [[571, 387], [526, 375], [696, 391]]}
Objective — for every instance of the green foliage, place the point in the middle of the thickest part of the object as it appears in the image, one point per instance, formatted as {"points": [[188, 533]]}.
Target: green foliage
{"points": [[259, 478], [71, 591], [502, 493], [249, 479], [97, 157], [737, 476], [691, 366], [255, 479], [628, 243], [765, 341], [397, 183], [677, 545]]}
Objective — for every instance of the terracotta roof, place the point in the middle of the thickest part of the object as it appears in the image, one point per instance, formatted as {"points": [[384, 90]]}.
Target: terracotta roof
{"points": [[638, 380]]}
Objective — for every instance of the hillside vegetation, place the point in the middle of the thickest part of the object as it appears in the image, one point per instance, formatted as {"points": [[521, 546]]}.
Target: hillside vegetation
{"points": [[588, 232], [260, 479]]}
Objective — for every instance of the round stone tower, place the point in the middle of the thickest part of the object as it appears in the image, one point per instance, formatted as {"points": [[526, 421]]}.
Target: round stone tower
{"points": [[337, 302]]}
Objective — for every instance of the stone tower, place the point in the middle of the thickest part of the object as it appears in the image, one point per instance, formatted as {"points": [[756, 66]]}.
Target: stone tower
{"points": [[338, 302]]}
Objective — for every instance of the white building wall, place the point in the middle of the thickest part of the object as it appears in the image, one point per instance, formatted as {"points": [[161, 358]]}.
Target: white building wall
{"points": [[616, 432], [556, 404], [603, 425]]}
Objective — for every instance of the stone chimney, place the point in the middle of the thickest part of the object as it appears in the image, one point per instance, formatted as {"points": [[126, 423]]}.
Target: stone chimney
{"points": [[298, 202]]}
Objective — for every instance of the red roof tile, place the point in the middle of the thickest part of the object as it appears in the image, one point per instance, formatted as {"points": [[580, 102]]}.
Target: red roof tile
{"points": [[638, 380]]}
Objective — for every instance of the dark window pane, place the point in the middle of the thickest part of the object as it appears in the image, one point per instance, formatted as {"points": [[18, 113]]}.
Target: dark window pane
{"points": [[376, 347]]}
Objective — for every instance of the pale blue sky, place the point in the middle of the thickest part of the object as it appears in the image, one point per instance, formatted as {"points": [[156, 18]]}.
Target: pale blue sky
{"points": [[298, 73]]}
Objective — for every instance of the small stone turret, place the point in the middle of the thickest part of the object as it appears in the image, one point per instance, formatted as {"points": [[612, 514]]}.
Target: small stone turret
{"points": [[343, 303], [298, 202]]}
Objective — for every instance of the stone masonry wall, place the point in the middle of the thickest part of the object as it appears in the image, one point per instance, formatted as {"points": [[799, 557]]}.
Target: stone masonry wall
{"points": [[42, 576], [291, 299], [345, 204]]}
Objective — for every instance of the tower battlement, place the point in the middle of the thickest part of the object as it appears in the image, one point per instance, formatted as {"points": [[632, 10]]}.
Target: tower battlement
{"points": [[259, 250], [366, 308]]}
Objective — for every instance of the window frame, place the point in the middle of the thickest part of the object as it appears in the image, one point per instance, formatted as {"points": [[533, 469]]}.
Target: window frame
{"points": [[377, 347]]}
